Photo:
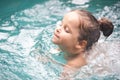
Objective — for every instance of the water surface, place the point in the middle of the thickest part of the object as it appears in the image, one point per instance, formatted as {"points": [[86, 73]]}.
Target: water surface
{"points": [[26, 50]]}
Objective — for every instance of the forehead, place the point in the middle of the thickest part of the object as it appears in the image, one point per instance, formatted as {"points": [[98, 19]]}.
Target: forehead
{"points": [[71, 16], [71, 19]]}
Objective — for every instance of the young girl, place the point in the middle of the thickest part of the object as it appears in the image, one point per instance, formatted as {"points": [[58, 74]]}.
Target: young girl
{"points": [[77, 33]]}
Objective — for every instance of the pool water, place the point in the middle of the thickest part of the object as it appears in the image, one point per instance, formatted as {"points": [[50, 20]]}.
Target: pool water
{"points": [[26, 50]]}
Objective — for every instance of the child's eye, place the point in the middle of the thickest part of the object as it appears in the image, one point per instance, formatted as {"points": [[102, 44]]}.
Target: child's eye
{"points": [[67, 29]]}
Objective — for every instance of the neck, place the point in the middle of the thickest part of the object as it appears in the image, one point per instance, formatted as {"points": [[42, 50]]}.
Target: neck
{"points": [[77, 61]]}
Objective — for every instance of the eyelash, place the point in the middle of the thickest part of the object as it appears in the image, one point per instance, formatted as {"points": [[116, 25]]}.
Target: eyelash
{"points": [[60, 24], [66, 29]]}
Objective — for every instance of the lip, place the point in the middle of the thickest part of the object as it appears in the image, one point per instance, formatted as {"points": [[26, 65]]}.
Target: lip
{"points": [[56, 35]]}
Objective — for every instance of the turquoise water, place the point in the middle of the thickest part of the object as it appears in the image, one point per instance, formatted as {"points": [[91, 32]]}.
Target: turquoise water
{"points": [[26, 28]]}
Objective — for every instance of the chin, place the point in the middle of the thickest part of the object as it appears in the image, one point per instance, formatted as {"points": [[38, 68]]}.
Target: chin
{"points": [[54, 41]]}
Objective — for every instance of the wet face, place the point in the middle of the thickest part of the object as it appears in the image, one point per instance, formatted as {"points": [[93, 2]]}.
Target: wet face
{"points": [[66, 35]]}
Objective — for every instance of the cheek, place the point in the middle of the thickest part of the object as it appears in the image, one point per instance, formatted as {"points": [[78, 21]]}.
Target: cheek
{"points": [[67, 40]]}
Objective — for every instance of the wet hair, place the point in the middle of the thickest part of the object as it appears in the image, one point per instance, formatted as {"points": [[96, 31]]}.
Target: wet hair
{"points": [[90, 27]]}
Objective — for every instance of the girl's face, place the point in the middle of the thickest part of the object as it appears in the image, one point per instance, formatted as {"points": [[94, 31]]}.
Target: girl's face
{"points": [[66, 35]]}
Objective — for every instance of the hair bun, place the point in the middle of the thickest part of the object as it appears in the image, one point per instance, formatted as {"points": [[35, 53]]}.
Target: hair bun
{"points": [[106, 26]]}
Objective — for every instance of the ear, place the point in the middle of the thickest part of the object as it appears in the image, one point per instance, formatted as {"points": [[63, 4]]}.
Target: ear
{"points": [[81, 44]]}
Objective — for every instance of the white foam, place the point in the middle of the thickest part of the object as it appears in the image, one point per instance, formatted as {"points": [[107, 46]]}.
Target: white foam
{"points": [[3, 35], [79, 1], [8, 28]]}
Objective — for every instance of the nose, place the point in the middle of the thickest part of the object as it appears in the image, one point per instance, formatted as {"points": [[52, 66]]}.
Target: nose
{"points": [[58, 29]]}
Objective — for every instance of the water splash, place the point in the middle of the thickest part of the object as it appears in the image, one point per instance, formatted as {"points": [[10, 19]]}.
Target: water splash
{"points": [[25, 44]]}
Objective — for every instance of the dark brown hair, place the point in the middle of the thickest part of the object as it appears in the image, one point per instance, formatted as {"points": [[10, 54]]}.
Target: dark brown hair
{"points": [[90, 27]]}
